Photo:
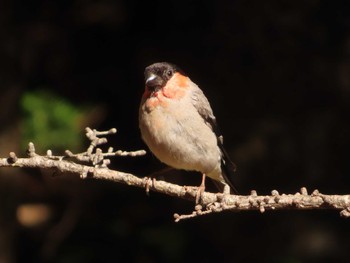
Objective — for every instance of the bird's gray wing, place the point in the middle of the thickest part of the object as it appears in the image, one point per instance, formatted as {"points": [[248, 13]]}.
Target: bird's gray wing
{"points": [[202, 105]]}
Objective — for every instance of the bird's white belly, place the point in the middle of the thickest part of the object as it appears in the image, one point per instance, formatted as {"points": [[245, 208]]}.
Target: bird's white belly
{"points": [[180, 138]]}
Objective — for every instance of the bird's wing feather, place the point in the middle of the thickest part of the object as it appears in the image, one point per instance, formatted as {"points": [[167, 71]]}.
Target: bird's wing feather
{"points": [[202, 105]]}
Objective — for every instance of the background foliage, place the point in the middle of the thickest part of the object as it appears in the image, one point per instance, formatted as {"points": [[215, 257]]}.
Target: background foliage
{"points": [[277, 76]]}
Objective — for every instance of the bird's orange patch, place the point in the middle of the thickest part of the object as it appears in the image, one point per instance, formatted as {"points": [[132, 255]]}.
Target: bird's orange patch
{"points": [[147, 93], [157, 99], [176, 87]]}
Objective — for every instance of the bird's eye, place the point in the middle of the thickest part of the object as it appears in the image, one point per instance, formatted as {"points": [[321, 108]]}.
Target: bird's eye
{"points": [[169, 73]]}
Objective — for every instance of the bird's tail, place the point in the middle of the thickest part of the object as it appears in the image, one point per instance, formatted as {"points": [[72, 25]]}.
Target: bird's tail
{"points": [[228, 169]]}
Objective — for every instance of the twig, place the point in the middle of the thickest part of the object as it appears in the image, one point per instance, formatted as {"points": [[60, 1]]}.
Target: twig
{"points": [[95, 155]]}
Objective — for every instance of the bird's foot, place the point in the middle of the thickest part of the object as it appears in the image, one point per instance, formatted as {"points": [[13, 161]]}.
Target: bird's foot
{"points": [[150, 181], [200, 190]]}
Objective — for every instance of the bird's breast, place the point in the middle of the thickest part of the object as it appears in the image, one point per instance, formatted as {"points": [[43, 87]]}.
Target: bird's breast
{"points": [[178, 136]]}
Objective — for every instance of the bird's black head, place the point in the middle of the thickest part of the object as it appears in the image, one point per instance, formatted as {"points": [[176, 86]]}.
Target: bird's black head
{"points": [[158, 74]]}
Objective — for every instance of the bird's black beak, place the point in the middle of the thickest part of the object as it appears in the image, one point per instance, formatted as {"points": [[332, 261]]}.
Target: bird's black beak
{"points": [[153, 81]]}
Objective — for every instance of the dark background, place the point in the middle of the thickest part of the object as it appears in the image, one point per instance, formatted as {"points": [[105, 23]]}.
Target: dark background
{"points": [[277, 76]]}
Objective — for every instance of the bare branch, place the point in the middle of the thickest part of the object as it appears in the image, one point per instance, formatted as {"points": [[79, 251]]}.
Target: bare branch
{"points": [[210, 202]]}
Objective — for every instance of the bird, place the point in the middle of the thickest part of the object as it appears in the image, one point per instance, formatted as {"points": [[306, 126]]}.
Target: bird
{"points": [[178, 126]]}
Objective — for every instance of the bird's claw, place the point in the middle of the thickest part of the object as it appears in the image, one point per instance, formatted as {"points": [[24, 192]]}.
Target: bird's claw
{"points": [[150, 181], [199, 193]]}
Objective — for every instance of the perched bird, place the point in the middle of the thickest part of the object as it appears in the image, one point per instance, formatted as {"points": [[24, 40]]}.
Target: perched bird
{"points": [[179, 127]]}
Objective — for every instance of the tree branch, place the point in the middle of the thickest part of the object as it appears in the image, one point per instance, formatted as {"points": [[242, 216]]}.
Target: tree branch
{"points": [[210, 202]]}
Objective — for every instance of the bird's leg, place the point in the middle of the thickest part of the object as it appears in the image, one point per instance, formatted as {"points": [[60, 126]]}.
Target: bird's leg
{"points": [[200, 189], [152, 177]]}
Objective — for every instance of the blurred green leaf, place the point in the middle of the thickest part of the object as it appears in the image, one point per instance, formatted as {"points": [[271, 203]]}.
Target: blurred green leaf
{"points": [[50, 121]]}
